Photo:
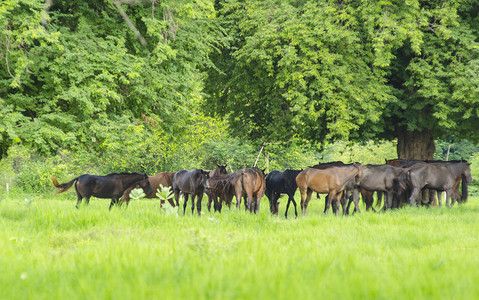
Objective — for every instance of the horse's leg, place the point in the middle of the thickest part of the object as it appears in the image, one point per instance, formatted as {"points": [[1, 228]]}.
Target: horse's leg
{"points": [[439, 196], [185, 196], [336, 206], [414, 194], [303, 196], [388, 196], [198, 204], [113, 201], [326, 207], [294, 203], [448, 195], [79, 197], [177, 198], [329, 198], [344, 199], [193, 196], [379, 194], [208, 204], [355, 197], [306, 202]]}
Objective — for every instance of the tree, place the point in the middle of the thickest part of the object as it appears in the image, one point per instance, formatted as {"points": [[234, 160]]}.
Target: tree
{"points": [[327, 70], [71, 70]]}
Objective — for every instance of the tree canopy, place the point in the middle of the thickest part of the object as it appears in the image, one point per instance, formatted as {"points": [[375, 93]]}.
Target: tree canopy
{"points": [[326, 70], [74, 73], [72, 70]]}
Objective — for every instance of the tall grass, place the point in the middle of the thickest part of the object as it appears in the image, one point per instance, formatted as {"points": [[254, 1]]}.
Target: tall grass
{"points": [[49, 249]]}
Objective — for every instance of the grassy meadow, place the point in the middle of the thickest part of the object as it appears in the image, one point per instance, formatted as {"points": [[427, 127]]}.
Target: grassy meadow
{"points": [[50, 250]]}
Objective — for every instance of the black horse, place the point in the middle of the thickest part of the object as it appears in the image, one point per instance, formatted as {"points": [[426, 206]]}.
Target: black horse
{"points": [[278, 183], [190, 182], [110, 186]]}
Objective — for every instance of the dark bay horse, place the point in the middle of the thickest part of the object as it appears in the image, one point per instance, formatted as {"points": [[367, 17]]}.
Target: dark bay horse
{"points": [[164, 178], [225, 187], [381, 178], [190, 182], [332, 181], [110, 186], [437, 177], [247, 182], [278, 183], [462, 171], [218, 190], [460, 168]]}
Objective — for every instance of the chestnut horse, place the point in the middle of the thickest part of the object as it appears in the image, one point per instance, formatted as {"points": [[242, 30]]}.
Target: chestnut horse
{"points": [[109, 186], [332, 181], [164, 178]]}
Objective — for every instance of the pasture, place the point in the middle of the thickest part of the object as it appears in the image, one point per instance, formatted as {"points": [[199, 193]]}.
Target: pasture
{"points": [[49, 249]]}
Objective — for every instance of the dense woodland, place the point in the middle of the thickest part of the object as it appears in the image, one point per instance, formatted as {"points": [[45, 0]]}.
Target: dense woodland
{"points": [[128, 85]]}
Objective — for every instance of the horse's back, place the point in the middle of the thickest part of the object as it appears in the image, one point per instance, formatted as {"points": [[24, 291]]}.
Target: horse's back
{"points": [[98, 186]]}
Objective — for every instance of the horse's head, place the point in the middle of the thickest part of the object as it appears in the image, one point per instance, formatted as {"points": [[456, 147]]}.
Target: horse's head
{"points": [[204, 175], [218, 171], [467, 173], [145, 185], [359, 167]]}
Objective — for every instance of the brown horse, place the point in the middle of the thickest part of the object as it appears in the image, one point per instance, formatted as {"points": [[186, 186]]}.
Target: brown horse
{"points": [[164, 178], [109, 186], [247, 182], [332, 181], [215, 193], [254, 187]]}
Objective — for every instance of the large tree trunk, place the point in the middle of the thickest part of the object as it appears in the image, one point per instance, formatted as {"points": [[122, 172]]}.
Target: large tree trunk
{"points": [[415, 144]]}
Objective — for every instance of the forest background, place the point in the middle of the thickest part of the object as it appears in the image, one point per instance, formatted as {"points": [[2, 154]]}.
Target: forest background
{"points": [[150, 86]]}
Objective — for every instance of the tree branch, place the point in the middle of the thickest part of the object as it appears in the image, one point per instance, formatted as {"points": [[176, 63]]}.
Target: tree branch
{"points": [[46, 8], [128, 22]]}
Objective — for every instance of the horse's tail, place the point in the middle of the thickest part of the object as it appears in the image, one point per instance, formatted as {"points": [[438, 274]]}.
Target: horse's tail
{"points": [[464, 189], [63, 187]]}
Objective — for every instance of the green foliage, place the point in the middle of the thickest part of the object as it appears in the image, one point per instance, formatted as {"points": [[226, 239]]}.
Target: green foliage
{"points": [[367, 153], [81, 68], [357, 70], [458, 150]]}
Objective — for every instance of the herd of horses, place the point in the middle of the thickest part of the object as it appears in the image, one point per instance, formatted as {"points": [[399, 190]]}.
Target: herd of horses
{"points": [[413, 182]]}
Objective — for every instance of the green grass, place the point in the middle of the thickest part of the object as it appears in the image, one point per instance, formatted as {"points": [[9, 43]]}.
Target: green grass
{"points": [[49, 249]]}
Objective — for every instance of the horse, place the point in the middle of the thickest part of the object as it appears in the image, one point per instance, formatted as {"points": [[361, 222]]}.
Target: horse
{"points": [[164, 178], [254, 187], [461, 169], [225, 187], [190, 182], [437, 177], [247, 182], [278, 183], [331, 181], [110, 186], [381, 178], [213, 194], [349, 189]]}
